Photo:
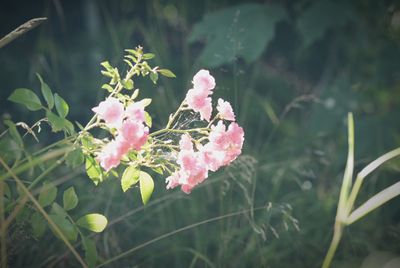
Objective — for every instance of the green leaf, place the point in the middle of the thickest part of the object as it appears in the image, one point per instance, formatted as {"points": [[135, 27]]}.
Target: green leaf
{"points": [[239, 31], [148, 56], [321, 16], [56, 209], [135, 94], [154, 77], [147, 119], [128, 84], [107, 87], [57, 123], [75, 158], [94, 222], [61, 106], [70, 199], [48, 194], [374, 202], [7, 190], [146, 186], [93, 170], [129, 177], [90, 251], [166, 72], [145, 102], [38, 224], [66, 227], [106, 65], [26, 97], [46, 92]]}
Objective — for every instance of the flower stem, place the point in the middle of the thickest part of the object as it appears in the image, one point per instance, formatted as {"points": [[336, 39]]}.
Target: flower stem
{"points": [[337, 234]]}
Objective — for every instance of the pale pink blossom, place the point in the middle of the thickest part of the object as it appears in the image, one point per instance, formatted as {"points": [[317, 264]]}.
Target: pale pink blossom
{"points": [[135, 111], [225, 110], [228, 141], [199, 102], [110, 155], [111, 111], [204, 82], [134, 133]]}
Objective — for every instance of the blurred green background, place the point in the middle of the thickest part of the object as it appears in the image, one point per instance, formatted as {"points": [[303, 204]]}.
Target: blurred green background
{"points": [[292, 71]]}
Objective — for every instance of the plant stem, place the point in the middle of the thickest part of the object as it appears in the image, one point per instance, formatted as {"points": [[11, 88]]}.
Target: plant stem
{"points": [[3, 233], [337, 235]]}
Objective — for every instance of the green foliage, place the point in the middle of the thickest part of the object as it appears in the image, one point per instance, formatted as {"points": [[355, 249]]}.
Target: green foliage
{"points": [[61, 106], [146, 186], [48, 194], [240, 31], [68, 229], [27, 98], [322, 16], [75, 158], [38, 224], [70, 199], [90, 251], [93, 170], [46, 92], [130, 177], [94, 222]]}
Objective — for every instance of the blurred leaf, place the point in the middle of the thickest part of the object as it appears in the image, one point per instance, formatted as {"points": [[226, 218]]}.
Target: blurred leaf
{"points": [[27, 98], [154, 77], [93, 170], [147, 119], [145, 102], [57, 123], [107, 87], [129, 177], [75, 158], [70, 199], [46, 92], [61, 106], [68, 229], [322, 16], [128, 84], [90, 251], [146, 186], [148, 56], [47, 194], [239, 31], [38, 224], [166, 72], [94, 222], [7, 190], [56, 209]]}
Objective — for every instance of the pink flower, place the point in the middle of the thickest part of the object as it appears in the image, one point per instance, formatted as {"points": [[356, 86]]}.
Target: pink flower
{"points": [[134, 133], [111, 111], [135, 111], [225, 110], [110, 155], [199, 102], [204, 82], [227, 142]]}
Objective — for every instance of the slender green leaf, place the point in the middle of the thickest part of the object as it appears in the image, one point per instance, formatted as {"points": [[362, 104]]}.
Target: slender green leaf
{"points": [[146, 186], [374, 202], [46, 92], [94, 222], [48, 194], [56, 209], [166, 73], [70, 199], [128, 84], [61, 106], [26, 97], [145, 102], [129, 177], [107, 87], [148, 56]]}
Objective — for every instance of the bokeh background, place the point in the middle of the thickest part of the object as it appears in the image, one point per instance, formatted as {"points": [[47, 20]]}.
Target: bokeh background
{"points": [[292, 71]]}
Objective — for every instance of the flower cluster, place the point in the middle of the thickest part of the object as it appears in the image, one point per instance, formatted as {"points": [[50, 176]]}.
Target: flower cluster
{"points": [[131, 130], [223, 146]]}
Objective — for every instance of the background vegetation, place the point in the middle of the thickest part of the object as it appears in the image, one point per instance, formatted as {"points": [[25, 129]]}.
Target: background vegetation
{"points": [[291, 69]]}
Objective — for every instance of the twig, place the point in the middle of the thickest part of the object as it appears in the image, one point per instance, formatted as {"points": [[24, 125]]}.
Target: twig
{"points": [[20, 30]]}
